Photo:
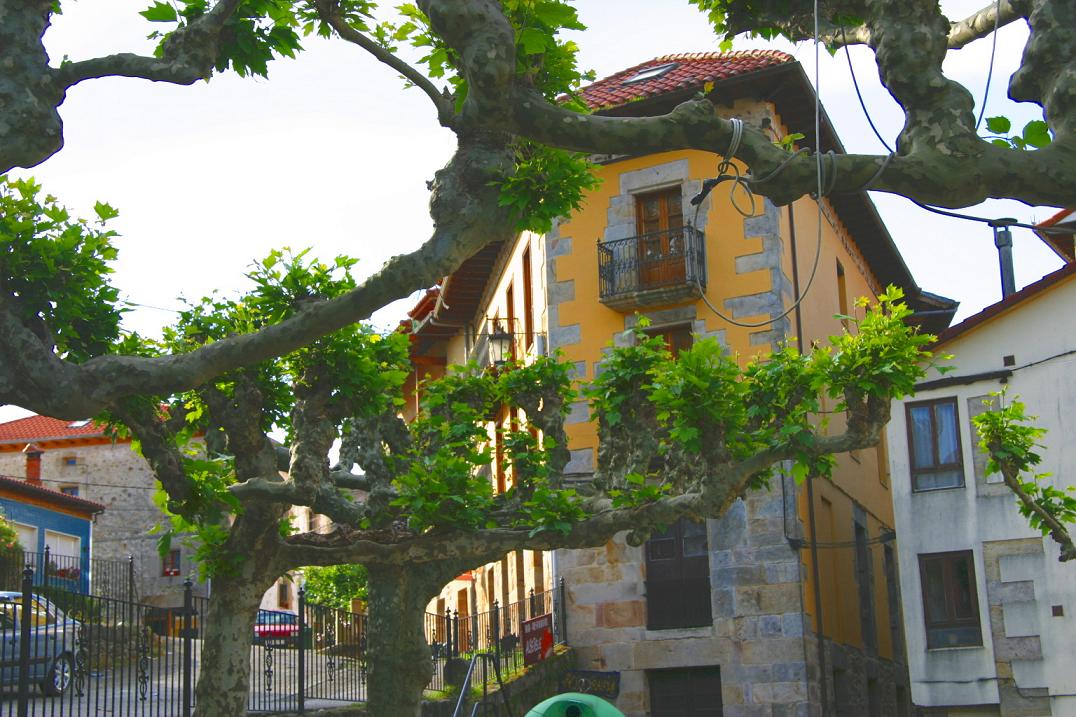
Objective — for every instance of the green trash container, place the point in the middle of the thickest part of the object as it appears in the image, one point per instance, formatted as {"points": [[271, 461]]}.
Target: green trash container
{"points": [[574, 704]]}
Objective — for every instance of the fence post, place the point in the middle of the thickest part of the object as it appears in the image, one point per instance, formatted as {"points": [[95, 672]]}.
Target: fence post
{"points": [[302, 649], [130, 578], [495, 631], [188, 671], [44, 568], [534, 604], [563, 597], [447, 617], [455, 633], [24, 641]]}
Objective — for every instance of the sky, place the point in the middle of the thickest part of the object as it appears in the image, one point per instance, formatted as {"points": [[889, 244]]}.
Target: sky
{"points": [[332, 152]]}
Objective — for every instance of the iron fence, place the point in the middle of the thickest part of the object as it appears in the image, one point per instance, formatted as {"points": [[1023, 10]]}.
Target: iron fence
{"points": [[456, 637], [71, 573], [65, 653], [667, 258]]}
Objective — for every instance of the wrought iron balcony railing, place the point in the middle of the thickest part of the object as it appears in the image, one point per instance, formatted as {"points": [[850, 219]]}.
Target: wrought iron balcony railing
{"points": [[652, 269]]}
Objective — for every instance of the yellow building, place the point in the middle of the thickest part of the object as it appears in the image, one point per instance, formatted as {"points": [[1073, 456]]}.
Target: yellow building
{"points": [[720, 618], [498, 292]]}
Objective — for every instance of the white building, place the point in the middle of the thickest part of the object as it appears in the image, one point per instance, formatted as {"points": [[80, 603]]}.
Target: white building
{"points": [[989, 612]]}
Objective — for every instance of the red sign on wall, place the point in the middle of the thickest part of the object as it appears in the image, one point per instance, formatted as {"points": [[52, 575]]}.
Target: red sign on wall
{"points": [[537, 639]]}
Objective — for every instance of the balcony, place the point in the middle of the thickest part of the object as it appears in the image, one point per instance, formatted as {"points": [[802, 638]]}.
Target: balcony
{"points": [[655, 269]]}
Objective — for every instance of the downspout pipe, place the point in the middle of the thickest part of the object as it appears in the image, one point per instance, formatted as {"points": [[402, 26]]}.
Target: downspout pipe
{"points": [[816, 577]]}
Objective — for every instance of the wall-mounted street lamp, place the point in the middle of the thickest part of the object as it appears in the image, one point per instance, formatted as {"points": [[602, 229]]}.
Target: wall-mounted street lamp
{"points": [[501, 341]]}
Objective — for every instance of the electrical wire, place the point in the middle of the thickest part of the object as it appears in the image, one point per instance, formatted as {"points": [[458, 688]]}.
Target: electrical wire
{"points": [[927, 207], [855, 83], [726, 166], [990, 72]]}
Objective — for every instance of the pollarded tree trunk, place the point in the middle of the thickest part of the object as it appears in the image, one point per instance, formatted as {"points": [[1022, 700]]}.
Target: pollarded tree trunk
{"points": [[398, 655], [224, 674]]}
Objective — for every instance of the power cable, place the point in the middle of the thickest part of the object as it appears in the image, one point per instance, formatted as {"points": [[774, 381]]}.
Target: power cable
{"points": [[990, 71], [726, 166], [892, 152]]}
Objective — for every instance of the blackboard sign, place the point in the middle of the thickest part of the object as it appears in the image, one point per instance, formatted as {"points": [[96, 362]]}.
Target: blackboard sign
{"points": [[591, 682]]}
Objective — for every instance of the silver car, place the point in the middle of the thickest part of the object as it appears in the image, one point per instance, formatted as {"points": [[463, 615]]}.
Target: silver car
{"points": [[52, 643]]}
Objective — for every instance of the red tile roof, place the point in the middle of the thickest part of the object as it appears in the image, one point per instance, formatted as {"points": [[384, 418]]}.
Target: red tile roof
{"points": [[1064, 245], [43, 428], [688, 70], [21, 487]]}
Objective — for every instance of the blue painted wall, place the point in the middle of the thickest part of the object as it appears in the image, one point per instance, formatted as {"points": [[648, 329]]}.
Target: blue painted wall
{"points": [[44, 519]]}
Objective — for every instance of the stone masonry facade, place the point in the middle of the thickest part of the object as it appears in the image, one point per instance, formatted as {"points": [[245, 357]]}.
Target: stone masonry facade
{"points": [[121, 480], [760, 638]]}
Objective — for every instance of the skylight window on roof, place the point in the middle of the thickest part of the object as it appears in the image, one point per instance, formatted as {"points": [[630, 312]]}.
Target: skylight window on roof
{"points": [[80, 424], [650, 73]]}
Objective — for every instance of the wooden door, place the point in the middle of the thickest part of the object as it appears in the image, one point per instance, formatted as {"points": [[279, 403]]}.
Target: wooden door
{"points": [[659, 221]]}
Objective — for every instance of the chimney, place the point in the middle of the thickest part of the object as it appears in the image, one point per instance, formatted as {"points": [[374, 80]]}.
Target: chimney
{"points": [[33, 463], [1003, 241]]}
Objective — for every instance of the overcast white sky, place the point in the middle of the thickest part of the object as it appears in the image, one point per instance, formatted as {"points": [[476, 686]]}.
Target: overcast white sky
{"points": [[331, 152]]}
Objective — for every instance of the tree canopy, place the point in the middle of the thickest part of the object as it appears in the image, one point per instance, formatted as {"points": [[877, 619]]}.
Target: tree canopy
{"points": [[290, 354]]}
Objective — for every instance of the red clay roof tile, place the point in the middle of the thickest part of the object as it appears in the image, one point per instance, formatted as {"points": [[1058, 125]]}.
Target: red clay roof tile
{"points": [[21, 485], [693, 69], [37, 428]]}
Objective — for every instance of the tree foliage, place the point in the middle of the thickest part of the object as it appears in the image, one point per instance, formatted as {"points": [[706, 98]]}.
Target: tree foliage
{"points": [[1012, 444], [335, 586], [677, 439]]}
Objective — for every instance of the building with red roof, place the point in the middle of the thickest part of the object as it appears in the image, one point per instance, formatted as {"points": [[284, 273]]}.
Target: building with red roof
{"points": [[790, 603], [81, 462]]}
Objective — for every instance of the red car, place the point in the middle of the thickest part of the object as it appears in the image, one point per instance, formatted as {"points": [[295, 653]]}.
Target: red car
{"points": [[276, 629]]}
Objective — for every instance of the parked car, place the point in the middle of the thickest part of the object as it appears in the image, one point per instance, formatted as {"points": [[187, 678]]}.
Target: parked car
{"points": [[52, 643], [276, 629]]}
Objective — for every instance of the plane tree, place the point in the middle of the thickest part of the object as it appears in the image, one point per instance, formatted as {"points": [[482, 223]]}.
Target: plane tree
{"points": [[497, 73], [414, 502], [289, 355]]}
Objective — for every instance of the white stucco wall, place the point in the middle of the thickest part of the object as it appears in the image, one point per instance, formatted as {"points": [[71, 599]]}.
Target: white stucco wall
{"points": [[1040, 335]]}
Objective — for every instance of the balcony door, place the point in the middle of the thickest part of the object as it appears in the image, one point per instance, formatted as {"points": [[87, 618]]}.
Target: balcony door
{"points": [[659, 221]]}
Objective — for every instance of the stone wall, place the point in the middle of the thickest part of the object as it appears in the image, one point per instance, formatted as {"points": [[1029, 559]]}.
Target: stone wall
{"points": [[863, 684], [757, 633], [121, 480]]}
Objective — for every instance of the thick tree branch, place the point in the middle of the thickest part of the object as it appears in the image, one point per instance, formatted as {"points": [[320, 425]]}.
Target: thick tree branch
{"points": [[397, 545], [239, 415], [1057, 529], [976, 26], [981, 23], [930, 172], [466, 216], [346, 480], [158, 448], [189, 55], [329, 10]]}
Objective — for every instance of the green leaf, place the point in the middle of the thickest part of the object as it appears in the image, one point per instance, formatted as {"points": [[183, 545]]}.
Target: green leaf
{"points": [[534, 41], [998, 125], [105, 211], [1037, 134], [160, 12]]}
